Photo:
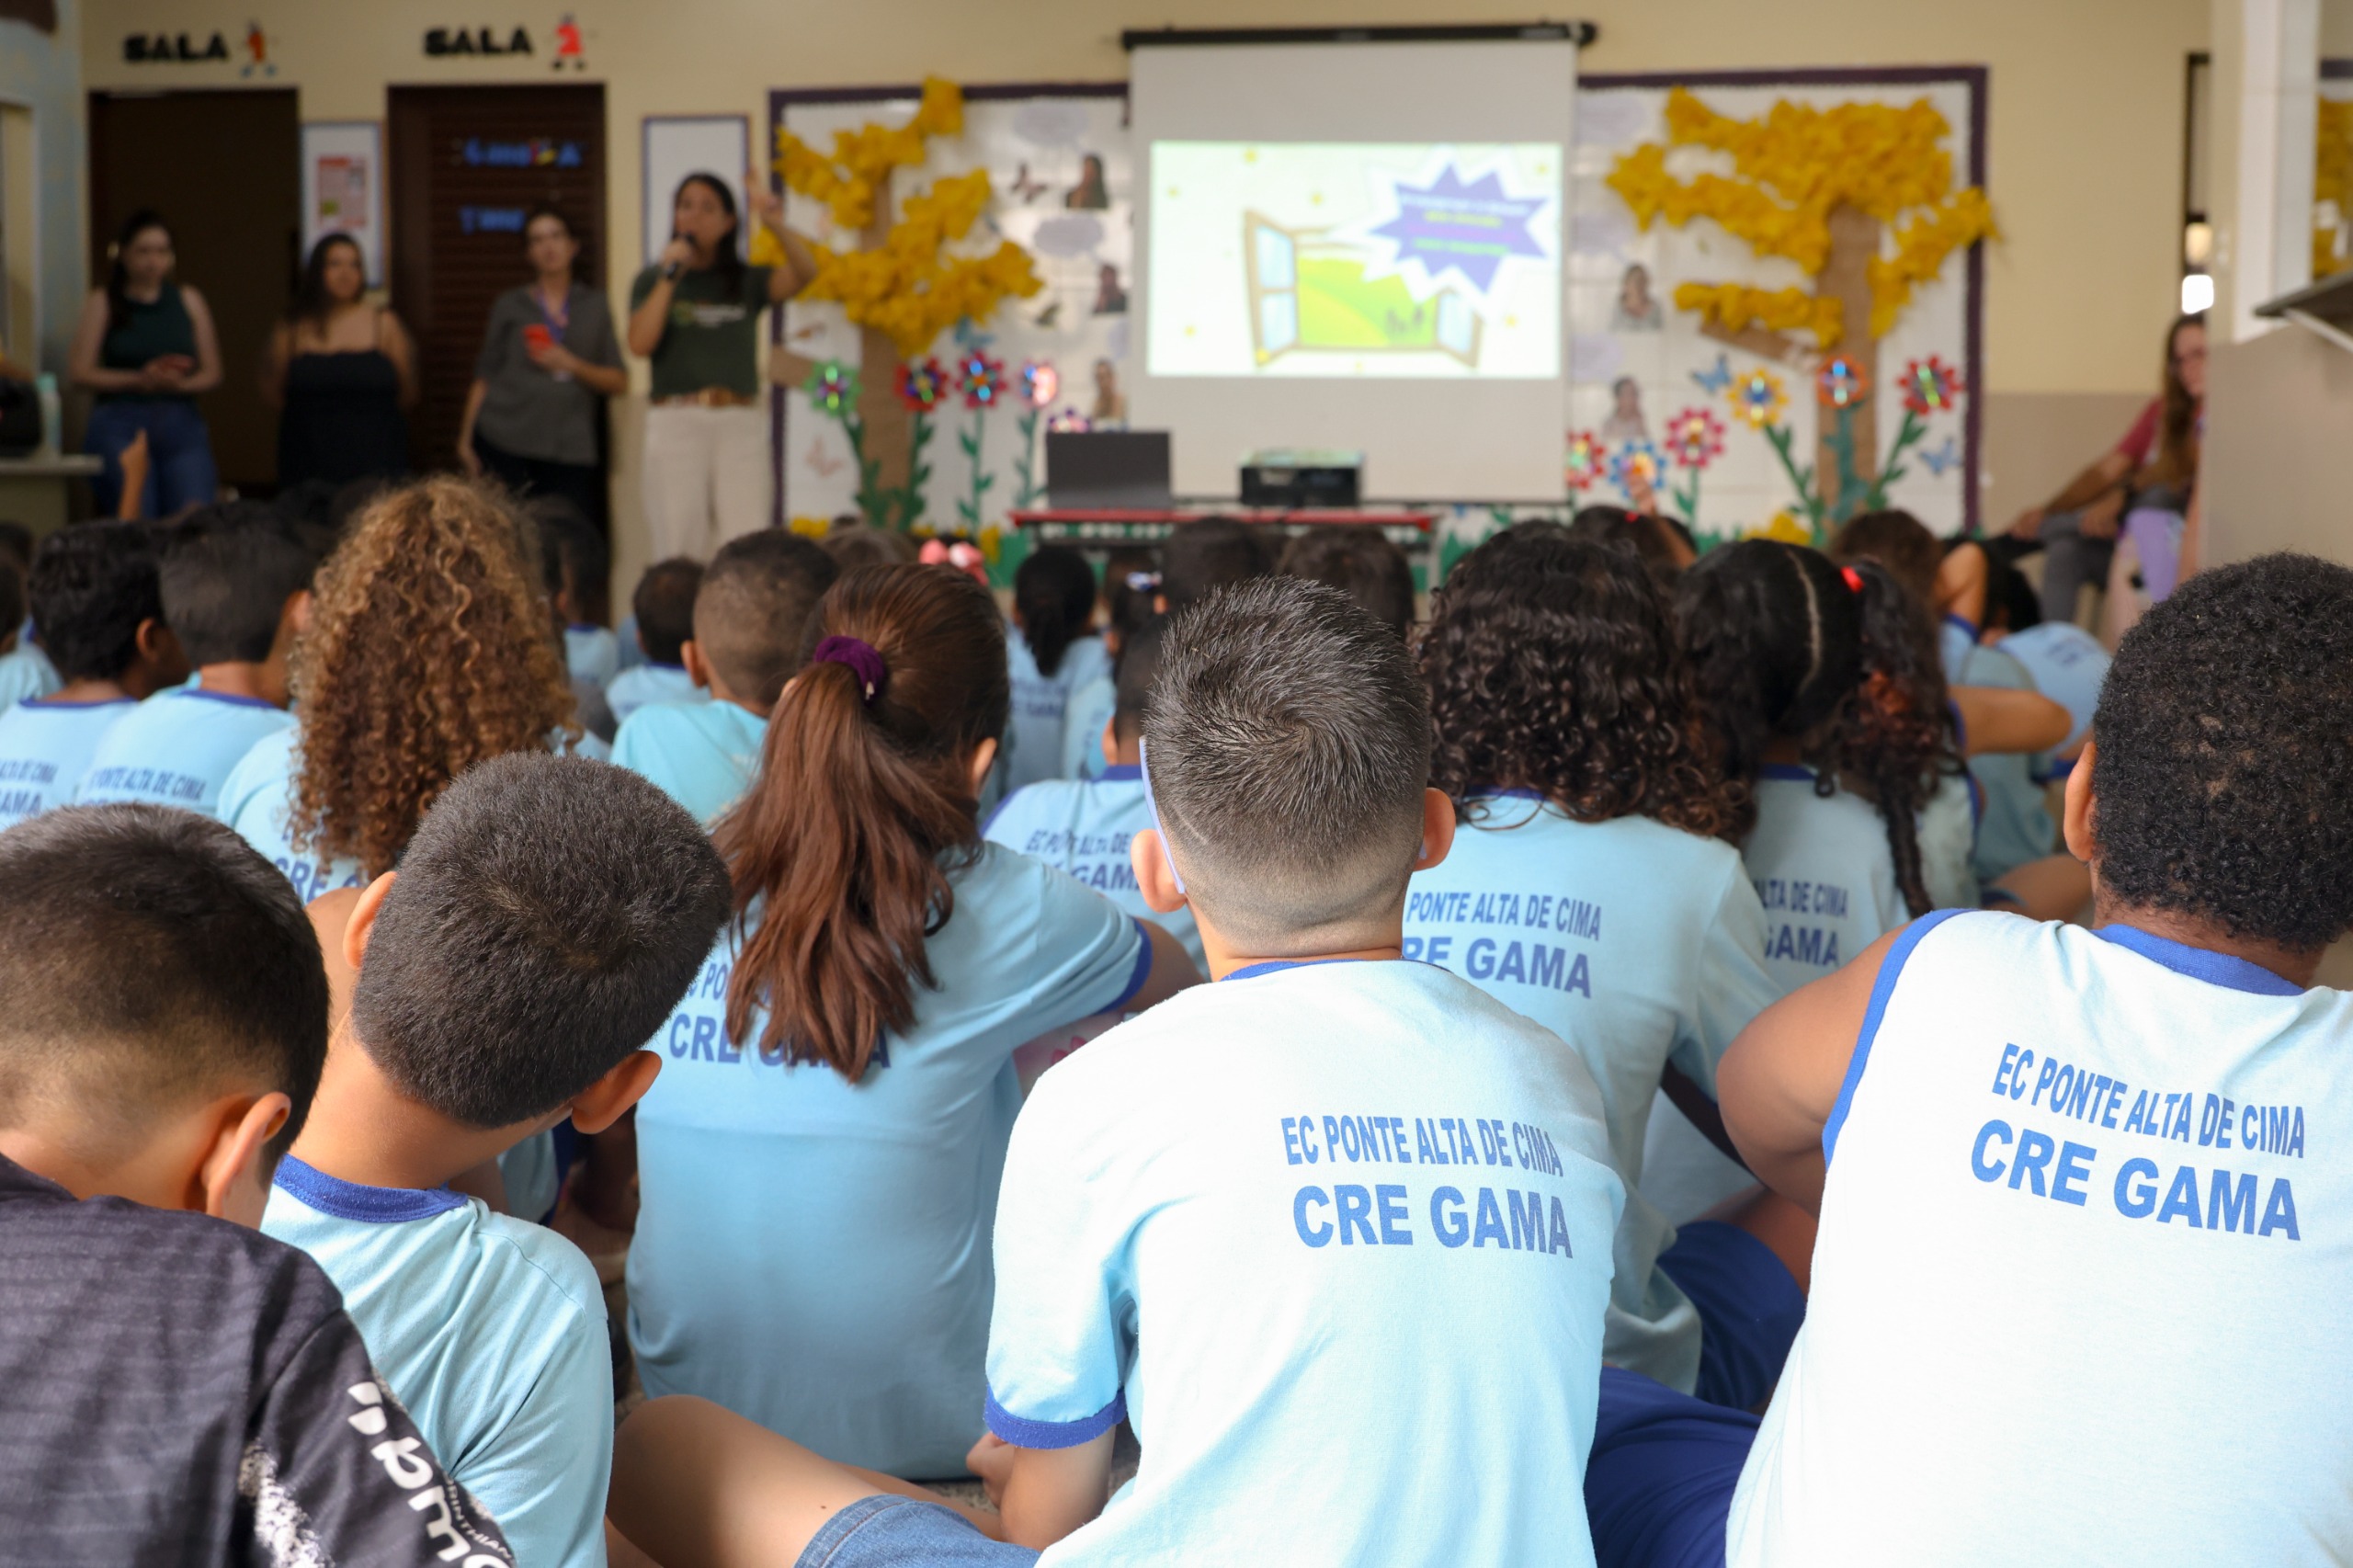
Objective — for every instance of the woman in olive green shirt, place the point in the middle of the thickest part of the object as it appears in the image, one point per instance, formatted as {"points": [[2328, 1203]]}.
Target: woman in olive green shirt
{"points": [[145, 345], [696, 313]]}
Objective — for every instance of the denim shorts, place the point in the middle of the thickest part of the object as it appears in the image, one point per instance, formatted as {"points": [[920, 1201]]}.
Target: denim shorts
{"points": [[889, 1531]]}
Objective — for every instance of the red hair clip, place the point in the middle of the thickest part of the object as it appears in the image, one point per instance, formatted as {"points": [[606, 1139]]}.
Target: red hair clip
{"points": [[1854, 579]]}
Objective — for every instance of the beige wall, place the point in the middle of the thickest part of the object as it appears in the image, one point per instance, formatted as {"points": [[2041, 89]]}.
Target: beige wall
{"points": [[2085, 148]]}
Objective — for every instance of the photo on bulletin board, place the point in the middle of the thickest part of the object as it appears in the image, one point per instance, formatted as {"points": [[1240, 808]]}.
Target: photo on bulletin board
{"points": [[677, 145], [343, 187], [1062, 187], [1753, 376]]}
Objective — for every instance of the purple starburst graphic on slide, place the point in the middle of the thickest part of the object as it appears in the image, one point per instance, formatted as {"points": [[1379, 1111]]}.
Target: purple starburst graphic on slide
{"points": [[1470, 228]]}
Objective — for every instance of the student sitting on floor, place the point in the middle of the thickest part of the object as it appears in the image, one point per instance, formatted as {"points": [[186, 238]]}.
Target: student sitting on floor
{"points": [[236, 589], [179, 1389], [94, 587], [1248, 1222], [426, 652], [1362, 563], [549, 911], [1592, 889], [1131, 579], [25, 668], [751, 618], [1084, 826], [2079, 1187], [1052, 651], [823, 1152], [663, 611]]}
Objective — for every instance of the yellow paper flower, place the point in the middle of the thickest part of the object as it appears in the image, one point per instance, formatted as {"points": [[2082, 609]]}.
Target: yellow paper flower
{"points": [[1737, 305], [813, 527], [846, 180], [1785, 527]]}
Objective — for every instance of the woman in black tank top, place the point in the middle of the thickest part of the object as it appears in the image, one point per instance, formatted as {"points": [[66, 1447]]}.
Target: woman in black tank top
{"points": [[341, 373], [145, 345]]}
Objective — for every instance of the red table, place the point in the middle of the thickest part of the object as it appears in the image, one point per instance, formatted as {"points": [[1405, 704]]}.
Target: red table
{"points": [[1105, 528]]}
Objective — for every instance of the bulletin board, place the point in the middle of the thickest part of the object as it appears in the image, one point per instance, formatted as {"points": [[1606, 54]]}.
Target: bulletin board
{"points": [[343, 187], [1058, 160], [674, 146]]}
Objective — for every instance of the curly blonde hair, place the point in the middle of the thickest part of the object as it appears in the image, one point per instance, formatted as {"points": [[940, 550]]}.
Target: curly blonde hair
{"points": [[430, 649]]}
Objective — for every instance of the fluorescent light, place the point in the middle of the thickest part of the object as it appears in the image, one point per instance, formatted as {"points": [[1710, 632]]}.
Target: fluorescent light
{"points": [[2197, 293]]}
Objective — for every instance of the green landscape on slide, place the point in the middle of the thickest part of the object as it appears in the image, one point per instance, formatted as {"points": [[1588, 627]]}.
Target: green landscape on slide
{"points": [[1341, 308]]}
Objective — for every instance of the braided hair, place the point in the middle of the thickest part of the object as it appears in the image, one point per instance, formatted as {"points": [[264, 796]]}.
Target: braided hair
{"points": [[1787, 645]]}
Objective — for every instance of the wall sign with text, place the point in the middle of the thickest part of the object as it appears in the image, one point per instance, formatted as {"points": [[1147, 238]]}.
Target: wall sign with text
{"points": [[565, 53], [202, 49]]}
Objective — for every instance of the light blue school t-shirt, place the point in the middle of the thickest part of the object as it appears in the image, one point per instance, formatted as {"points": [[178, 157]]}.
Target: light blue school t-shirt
{"points": [[1824, 873], [1336, 1238], [2014, 826], [255, 800], [1636, 943], [177, 748], [45, 747], [1091, 708], [1033, 742], [1083, 828], [814, 1254], [490, 1330], [703, 755], [2068, 666], [644, 684], [592, 654], [26, 673]]}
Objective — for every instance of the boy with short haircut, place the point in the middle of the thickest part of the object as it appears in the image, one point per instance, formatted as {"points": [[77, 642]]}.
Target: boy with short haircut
{"points": [[1205, 555], [236, 583], [95, 589], [664, 612], [2061, 1169], [1365, 1209], [1362, 563], [1085, 825], [179, 1390], [751, 612], [546, 917]]}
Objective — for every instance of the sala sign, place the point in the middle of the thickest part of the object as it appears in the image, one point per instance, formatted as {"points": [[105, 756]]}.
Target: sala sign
{"points": [[440, 41]]}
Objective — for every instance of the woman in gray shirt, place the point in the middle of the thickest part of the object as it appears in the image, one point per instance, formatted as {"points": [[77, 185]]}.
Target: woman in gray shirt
{"points": [[547, 355]]}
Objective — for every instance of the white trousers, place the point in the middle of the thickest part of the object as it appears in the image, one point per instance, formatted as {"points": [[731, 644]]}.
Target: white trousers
{"points": [[707, 477]]}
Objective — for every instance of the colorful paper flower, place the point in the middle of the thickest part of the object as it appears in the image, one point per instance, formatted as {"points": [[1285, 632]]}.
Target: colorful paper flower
{"points": [[923, 385], [1695, 438], [1040, 383], [980, 380], [1931, 386], [1070, 420], [1636, 469], [1841, 383], [1587, 459], [833, 387], [1757, 398]]}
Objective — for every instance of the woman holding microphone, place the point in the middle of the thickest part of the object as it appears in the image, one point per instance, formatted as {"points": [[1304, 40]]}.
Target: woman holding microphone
{"points": [[696, 314], [546, 357]]}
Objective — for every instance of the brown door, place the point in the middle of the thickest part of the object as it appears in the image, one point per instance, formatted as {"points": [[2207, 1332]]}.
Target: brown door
{"points": [[467, 163], [224, 169]]}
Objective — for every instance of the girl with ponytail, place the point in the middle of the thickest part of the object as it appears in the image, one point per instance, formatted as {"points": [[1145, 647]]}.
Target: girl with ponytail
{"points": [[1052, 652], [820, 1157], [1593, 886]]}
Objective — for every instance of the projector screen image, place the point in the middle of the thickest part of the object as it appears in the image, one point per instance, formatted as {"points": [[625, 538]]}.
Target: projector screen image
{"points": [[1396, 260]]}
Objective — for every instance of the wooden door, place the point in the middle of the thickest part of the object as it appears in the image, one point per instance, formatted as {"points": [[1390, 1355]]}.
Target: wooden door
{"points": [[224, 169], [467, 164]]}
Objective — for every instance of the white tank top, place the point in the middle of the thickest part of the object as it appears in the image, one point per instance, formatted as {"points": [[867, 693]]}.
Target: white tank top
{"points": [[2080, 1290]]}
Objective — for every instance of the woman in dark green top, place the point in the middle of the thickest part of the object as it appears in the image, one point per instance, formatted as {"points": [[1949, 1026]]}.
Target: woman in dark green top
{"points": [[145, 345], [696, 313]]}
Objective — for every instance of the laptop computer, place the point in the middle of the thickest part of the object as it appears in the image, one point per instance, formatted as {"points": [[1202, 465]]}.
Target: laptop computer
{"points": [[1126, 469]]}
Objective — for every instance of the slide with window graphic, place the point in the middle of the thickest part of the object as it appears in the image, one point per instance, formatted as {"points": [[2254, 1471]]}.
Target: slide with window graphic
{"points": [[1389, 259]]}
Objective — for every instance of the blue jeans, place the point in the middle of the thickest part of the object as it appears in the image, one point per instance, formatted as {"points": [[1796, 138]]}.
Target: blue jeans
{"points": [[180, 471]]}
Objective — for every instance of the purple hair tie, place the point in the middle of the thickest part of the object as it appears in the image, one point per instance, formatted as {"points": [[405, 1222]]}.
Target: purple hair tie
{"points": [[863, 661]]}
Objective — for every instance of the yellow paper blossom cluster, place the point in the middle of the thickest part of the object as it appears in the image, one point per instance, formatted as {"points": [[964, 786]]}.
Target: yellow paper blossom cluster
{"points": [[861, 159], [908, 288], [1791, 167], [1737, 305], [2332, 181]]}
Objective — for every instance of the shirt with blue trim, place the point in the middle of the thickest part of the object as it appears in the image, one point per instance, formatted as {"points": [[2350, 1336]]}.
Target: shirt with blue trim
{"points": [[592, 654], [492, 1333], [1033, 742], [2068, 666], [1824, 873], [1637, 945], [1092, 707], [177, 748], [1346, 1220], [45, 747], [641, 684], [814, 1254], [703, 755], [2077, 1287], [2015, 825], [1085, 828], [26, 674]]}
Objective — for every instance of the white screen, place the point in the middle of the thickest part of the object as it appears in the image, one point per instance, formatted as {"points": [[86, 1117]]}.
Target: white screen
{"points": [[1355, 245]]}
